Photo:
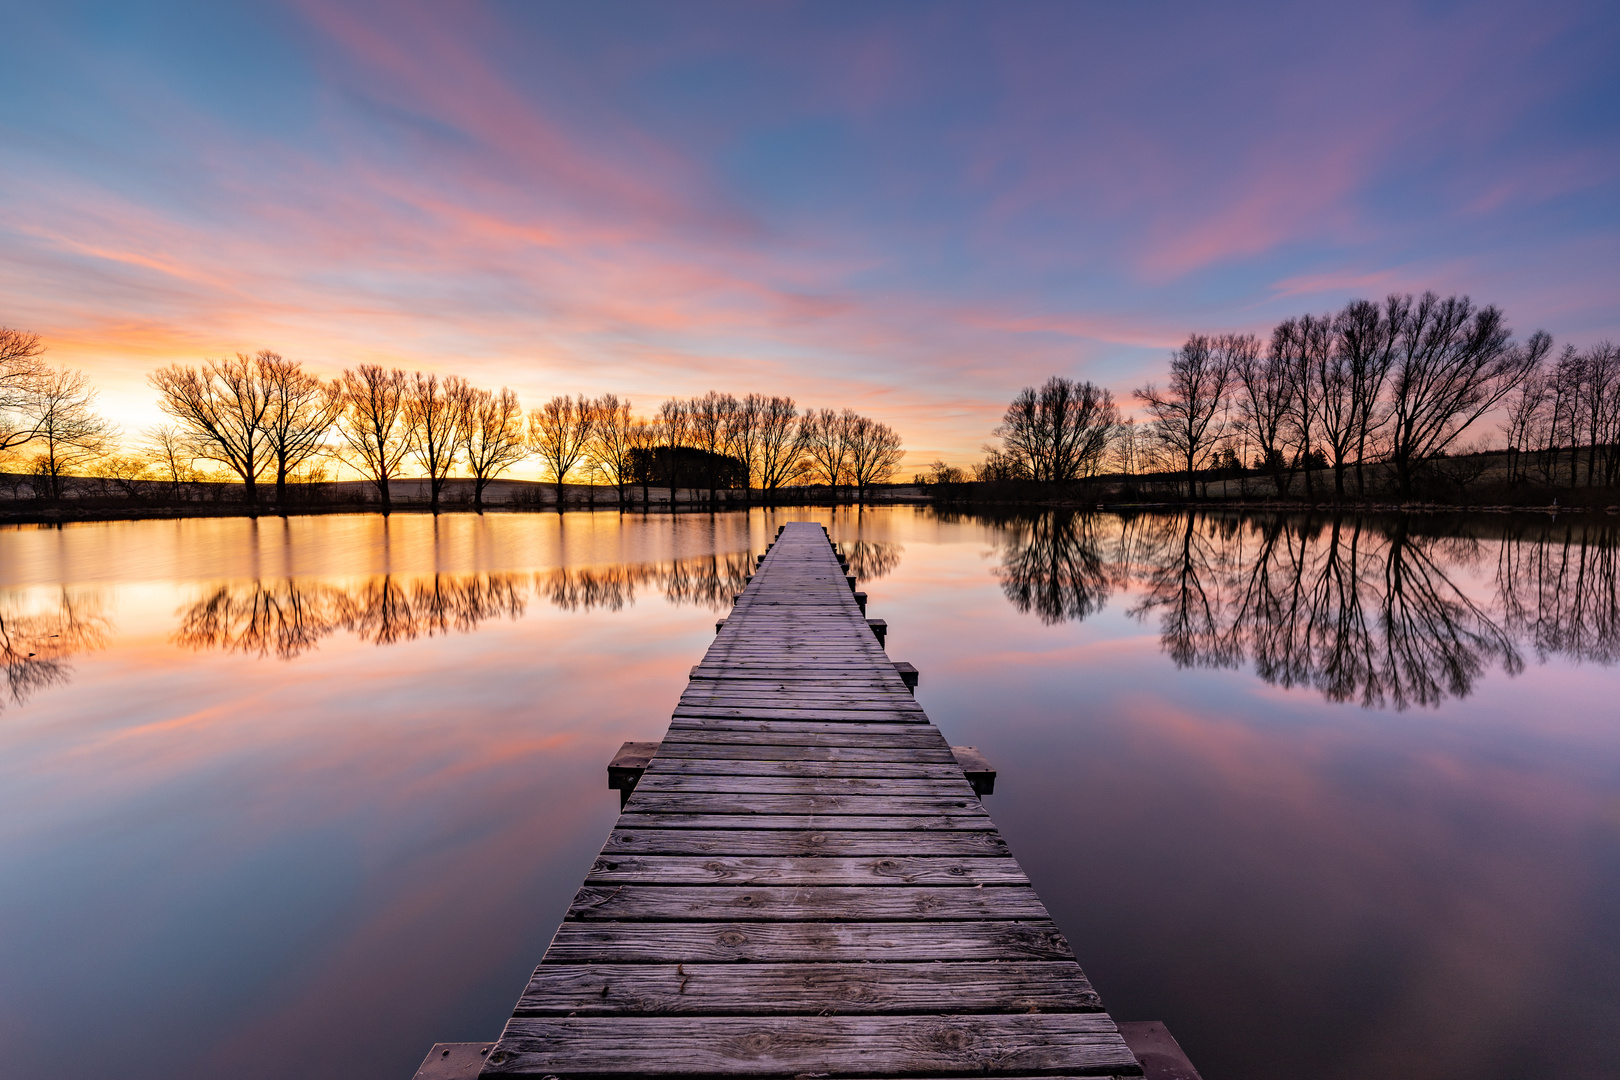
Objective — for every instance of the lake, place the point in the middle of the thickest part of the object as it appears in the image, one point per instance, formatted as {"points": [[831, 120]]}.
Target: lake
{"points": [[1332, 797]]}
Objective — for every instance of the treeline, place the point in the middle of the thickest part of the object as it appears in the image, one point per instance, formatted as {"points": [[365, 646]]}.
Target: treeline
{"points": [[265, 420], [1374, 395]]}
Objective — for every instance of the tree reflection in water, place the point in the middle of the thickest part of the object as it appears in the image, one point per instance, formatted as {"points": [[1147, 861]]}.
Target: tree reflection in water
{"points": [[1054, 566], [40, 632], [289, 617], [1372, 610]]}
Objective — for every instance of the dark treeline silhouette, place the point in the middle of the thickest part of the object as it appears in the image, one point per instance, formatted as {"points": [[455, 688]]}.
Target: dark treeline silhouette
{"points": [[1363, 608], [263, 419], [1374, 399]]}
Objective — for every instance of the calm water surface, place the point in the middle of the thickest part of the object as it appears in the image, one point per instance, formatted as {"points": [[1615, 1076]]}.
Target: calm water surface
{"points": [[1332, 798]]}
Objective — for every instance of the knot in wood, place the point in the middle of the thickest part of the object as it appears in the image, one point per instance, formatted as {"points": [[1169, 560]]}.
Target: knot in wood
{"points": [[760, 1042], [952, 1039], [733, 938]]}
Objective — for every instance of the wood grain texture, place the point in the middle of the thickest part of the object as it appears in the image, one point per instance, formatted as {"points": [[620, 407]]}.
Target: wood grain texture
{"points": [[694, 989], [787, 843], [1081, 1043], [771, 903], [799, 942], [804, 870]]}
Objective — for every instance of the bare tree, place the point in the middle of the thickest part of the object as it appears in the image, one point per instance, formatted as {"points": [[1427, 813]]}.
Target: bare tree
{"points": [[301, 411], [21, 370], [674, 425], [825, 437], [646, 436], [1454, 364], [710, 418], [611, 443], [493, 437], [1524, 406], [1264, 387], [70, 433], [222, 409], [1602, 371], [1060, 431], [1303, 346], [1562, 425], [781, 453], [874, 454], [560, 432], [1365, 338], [172, 456], [1187, 414], [436, 421], [373, 424], [742, 437]]}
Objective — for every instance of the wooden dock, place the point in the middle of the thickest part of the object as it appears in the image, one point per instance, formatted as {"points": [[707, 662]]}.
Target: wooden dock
{"points": [[803, 883]]}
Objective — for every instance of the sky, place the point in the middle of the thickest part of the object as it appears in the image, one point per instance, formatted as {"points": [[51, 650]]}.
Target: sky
{"points": [[912, 209]]}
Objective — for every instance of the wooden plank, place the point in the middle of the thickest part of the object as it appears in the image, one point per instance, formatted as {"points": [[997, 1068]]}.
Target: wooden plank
{"points": [[845, 842], [955, 788], [805, 732], [901, 767], [767, 903], [763, 713], [828, 870], [799, 942], [675, 819], [775, 751], [995, 1044], [692, 989], [656, 802]]}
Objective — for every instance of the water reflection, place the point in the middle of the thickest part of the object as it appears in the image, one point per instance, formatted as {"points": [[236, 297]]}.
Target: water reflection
{"points": [[39, 631], [1560, 591], [1054, 565], [288, 618], [1380, 611]]}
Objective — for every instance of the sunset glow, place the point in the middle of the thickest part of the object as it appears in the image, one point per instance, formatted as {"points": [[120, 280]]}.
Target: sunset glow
{"points": [[908, 210]]}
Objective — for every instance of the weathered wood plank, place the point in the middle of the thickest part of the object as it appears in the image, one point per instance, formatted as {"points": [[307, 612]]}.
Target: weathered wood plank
{"points": [[996, 1044], [798, 942], [683, 802], [773, 751], [692, 989], [677, 819], [784, 843], [675, 783], [827, 870], [900, 767], [767, 903]]}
